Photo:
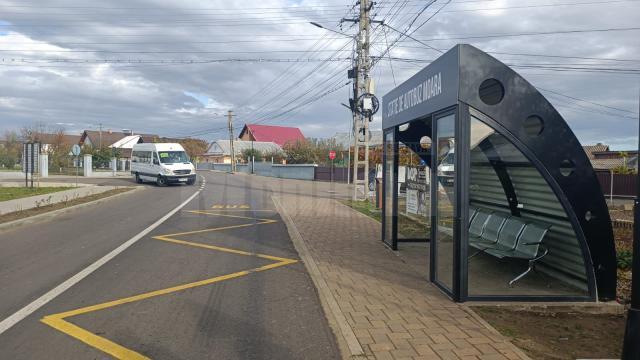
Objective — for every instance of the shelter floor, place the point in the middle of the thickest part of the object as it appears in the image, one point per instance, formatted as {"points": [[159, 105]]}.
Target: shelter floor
{"points": [[489, 276]]}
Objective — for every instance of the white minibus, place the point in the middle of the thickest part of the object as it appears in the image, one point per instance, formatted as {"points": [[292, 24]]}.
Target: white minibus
{"points": [[162, 163]]}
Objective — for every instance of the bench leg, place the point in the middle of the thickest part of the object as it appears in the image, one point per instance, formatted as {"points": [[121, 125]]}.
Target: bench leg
{"points": [[532, 264], [475, 254], [522, 275]]}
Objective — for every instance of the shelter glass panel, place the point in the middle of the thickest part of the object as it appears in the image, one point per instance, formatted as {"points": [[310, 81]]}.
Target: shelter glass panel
{"points": [[414, 199], [445, 199], [521, 242]]}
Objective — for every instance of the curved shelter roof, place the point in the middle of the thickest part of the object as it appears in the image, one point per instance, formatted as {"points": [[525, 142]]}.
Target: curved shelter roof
{"points": [[549, 180]]}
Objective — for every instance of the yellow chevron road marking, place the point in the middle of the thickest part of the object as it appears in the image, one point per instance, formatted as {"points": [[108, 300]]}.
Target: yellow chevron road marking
{"points": [[59, 322]]}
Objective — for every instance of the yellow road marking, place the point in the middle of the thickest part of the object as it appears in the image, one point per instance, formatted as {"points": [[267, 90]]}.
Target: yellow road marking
{"points": [[100, 343], [244, 210], [214, 213], [58, 322], [227, 206]]}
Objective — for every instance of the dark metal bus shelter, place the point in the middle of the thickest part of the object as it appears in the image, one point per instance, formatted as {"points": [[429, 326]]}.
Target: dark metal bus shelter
{"points": [[480, 168]]}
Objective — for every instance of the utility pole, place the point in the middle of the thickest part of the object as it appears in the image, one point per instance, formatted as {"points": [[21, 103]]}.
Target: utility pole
{"points": [[362, 86], [100, 125], [233, 153]]}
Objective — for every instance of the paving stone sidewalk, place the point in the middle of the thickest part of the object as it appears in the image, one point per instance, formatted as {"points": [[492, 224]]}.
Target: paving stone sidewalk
{"points": [[392, 310]]}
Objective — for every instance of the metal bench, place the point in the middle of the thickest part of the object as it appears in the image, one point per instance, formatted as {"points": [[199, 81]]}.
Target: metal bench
{"points": [[477, 224], [472, 213], [527, 247], [490, 234], [508, 236]]}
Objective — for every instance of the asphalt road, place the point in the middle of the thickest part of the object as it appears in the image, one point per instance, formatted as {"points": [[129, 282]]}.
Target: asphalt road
{"points": [[218, 279]]}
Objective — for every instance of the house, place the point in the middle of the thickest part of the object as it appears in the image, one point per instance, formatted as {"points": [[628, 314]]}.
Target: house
{"points": [[220, 151], [99, 139], [603, 158], [280, 135], [125, 145], [51, 141]]}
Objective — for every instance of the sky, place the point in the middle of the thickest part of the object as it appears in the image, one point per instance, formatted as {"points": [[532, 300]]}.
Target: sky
{"points": [[175, 68]]}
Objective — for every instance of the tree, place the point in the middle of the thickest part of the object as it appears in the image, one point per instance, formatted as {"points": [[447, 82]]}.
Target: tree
{"points": [[275, 155], [194, 147], [101, 157], [58, 149], [34, 132], [10, 151], [248, 153], [300, 152]]}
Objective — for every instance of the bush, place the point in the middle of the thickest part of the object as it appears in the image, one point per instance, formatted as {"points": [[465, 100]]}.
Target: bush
{"points": [[625, 257]]}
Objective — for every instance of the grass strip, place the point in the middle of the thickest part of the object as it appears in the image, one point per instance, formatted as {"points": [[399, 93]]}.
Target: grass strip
{"points": [[12, 193], [17, 215]]}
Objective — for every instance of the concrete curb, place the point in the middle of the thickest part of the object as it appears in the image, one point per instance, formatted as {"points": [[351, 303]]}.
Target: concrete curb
{"points": [[329, 303], [50, 214]]}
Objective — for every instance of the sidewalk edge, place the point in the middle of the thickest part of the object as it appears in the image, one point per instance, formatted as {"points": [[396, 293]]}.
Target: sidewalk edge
{"points": [[54, 213], [328, 302]]}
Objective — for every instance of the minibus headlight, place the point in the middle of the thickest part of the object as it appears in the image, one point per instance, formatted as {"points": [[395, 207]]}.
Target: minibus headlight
{"points": [[166, 171]]}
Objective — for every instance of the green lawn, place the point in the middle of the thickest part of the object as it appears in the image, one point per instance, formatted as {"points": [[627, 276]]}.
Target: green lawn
{"points": [[10, 193], [365, 207], [410, 227]]}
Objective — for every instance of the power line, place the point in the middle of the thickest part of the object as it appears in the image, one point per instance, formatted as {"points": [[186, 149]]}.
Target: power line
{"points": [[587, 101]]}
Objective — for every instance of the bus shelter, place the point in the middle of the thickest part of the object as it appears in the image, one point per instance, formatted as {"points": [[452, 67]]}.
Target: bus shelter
{"points": [[479, 165]]}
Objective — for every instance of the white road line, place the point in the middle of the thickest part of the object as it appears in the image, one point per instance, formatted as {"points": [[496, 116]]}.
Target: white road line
{"points": [[19, 315]]}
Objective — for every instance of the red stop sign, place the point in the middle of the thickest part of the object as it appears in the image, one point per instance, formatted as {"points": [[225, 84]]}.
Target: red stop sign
{"points": [[332, 155]]}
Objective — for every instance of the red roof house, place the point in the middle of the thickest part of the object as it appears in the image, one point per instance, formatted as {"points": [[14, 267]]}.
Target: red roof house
{"points": [[280, 135]]}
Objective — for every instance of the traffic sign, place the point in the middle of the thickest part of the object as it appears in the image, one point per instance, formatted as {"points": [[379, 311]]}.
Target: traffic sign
{"points": [[332, 155], [75, 150]]}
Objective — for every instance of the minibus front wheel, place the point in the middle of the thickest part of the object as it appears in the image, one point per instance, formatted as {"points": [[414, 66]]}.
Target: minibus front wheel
{"points": [[161, 181]]}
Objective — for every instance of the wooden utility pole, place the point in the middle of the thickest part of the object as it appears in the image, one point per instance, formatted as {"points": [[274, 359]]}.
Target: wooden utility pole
{"points": [[233, 153]]}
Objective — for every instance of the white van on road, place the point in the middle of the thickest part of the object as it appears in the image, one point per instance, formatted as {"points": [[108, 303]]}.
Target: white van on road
{"points": [[162, 163]]}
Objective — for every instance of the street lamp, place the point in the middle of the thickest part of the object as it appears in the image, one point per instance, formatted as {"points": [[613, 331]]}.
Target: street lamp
{"points": [[631, 346], [334, 31]]}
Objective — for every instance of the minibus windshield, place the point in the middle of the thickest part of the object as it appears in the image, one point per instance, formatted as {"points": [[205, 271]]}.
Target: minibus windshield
{"points": [[169, 157]]}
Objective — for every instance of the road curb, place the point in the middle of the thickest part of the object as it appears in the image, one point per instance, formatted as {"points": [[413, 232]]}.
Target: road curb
{"points": [[328, 301], [31, 219]]}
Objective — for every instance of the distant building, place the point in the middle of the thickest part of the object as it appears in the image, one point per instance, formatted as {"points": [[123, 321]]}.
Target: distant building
{"points": [[94, 138], [602, 158], [220, 151], [280, 135], [125, 145], [51, 140]]}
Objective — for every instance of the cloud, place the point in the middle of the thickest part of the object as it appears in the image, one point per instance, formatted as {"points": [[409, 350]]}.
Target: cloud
{"points": [[154, 66]]}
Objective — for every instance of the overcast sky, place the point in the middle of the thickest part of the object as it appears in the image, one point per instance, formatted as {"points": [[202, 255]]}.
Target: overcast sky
{"points": [[175, 67]]}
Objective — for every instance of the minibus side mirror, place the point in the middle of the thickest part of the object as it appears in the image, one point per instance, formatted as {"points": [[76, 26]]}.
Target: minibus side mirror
{"points": [[156, 162]]}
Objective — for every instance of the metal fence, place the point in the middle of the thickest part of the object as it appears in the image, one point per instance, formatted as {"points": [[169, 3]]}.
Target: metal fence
{"points": [[293, 171], [337, 174], [617, 184]]}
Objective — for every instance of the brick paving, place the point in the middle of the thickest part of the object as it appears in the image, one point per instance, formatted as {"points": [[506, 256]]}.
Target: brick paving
{"points": [[394, 312]]}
